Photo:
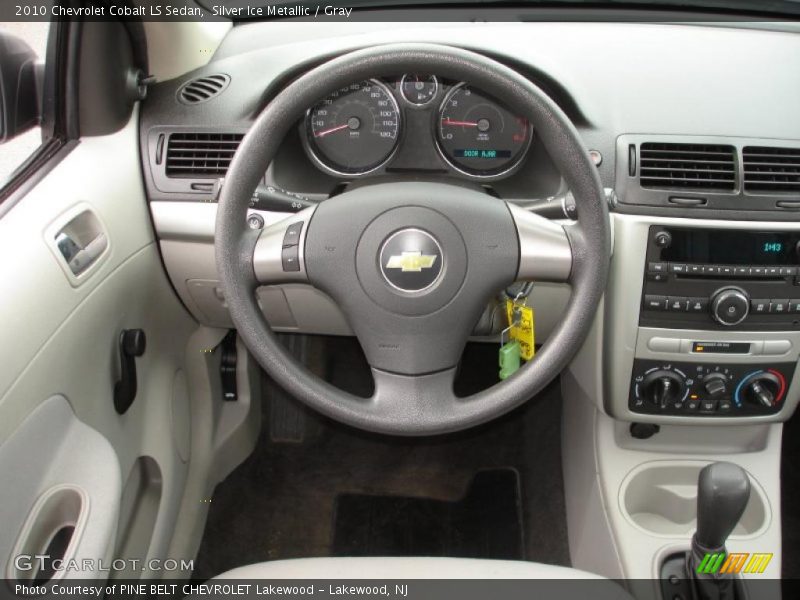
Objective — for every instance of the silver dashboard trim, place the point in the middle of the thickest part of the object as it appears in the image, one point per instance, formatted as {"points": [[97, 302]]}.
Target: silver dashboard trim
{"points": [[623, 304]]}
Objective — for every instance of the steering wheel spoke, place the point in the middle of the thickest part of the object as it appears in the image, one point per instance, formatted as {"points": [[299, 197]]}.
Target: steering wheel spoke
{"points": [[417, 398], [545, 253], [279, 253]]}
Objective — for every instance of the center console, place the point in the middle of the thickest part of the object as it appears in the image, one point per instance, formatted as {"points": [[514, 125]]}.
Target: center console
{"points": [[718, 322]]}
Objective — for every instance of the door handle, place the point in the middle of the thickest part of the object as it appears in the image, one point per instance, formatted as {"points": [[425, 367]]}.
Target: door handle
{"points": [[80, 258], [78, 240]]}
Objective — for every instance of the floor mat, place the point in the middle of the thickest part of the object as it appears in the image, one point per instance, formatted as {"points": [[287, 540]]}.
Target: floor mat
{"points": [[485, 523], [280, 502]]}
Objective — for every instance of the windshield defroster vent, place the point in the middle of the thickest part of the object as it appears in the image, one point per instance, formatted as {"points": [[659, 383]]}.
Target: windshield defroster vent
{"points": [[203, 89], [771, 169], [687, 166], [201, 154]]}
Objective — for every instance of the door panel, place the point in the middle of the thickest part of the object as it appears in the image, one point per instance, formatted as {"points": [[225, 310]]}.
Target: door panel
{"points": [[61, 339]]}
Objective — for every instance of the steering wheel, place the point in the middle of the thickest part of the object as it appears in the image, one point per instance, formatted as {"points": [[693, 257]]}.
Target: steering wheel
{"points": [[412, 324]]}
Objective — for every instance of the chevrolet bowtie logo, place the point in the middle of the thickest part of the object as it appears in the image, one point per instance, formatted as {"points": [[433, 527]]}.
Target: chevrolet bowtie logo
{"points": [[411, 262]]}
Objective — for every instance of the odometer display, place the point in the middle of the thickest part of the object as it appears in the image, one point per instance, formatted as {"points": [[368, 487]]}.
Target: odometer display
{"points": [[354, 130], [479, 136]]}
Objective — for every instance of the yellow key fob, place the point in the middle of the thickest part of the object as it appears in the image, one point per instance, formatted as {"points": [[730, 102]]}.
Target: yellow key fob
{"points": [[521, 319]]}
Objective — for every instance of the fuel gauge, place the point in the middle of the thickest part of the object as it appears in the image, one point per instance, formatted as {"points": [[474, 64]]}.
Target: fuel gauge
{"points": [[419, 89]]}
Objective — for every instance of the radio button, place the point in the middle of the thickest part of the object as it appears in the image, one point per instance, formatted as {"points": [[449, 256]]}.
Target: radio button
{"points": [[727, 271], [794, 306], [698, 305], [779, 306], [711, 270], [676, 303], [788, 271], [695, 269], [758, 271], [741, 271], [730, 306], [657, 276], [759, 306], [773, 271], [655, 302], [657, 267], [677, 268]]}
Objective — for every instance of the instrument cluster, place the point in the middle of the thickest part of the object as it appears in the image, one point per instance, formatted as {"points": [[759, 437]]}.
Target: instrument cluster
{"points": [[361, 129]]}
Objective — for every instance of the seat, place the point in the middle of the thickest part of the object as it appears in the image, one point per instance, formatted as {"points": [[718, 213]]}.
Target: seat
{"points": [[429, 568]]}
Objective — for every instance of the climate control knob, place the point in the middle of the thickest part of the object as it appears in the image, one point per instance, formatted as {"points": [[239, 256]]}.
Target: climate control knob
{"points": [[663, 387], [715, 385], [763, 388], [730, 306]]}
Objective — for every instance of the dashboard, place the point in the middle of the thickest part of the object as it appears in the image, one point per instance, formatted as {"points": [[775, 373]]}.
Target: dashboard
{"points": [[677, 135]]}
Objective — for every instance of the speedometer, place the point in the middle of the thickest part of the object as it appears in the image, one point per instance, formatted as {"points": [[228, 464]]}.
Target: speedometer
{"points": [[479, 136], [355, 129]]}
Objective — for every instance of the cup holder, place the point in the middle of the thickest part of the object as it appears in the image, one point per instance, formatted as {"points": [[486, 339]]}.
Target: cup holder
{"points": [[661, 498], [52, 529]]}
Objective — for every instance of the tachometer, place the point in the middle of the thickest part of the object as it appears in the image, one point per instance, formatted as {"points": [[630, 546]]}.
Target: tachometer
{"points": [[354, 130], [478, 136]]}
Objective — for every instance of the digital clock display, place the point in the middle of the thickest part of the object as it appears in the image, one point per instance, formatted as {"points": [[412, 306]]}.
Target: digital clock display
{"points": [[477, 153], [772, 247]]}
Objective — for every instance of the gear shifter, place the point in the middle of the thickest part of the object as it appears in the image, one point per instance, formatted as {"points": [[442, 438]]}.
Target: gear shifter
{"points": [[723, 490]]}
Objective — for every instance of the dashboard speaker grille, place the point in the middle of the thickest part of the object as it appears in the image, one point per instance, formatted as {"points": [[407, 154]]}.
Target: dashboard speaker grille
{"points": [[771, 169], [687, 166], [203, 89], [201, 154]]}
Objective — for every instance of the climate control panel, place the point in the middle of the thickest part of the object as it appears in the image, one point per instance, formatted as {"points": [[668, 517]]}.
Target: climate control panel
{"points": [[718, 390]]}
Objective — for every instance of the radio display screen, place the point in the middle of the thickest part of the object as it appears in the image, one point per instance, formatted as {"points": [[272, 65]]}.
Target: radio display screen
{"points": [[732, 247]]}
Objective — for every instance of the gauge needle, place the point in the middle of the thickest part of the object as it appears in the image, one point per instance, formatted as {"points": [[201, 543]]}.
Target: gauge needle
{"points": [[325, 132], [461, 123]]}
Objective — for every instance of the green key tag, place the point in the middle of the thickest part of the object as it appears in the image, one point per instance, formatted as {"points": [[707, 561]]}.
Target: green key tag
{"points": [[509, 359]]}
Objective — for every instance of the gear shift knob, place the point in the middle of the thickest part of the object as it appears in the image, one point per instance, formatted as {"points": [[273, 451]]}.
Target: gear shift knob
{"points": [[723, 490]]}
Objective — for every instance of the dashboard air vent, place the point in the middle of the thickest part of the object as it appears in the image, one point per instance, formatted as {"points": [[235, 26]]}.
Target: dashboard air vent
{"points": [[203, 89], [771, 169], [201, 154], [687, 166]]}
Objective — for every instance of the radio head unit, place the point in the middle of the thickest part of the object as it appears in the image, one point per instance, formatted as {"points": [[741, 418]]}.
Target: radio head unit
{"points": [[721, 279]]}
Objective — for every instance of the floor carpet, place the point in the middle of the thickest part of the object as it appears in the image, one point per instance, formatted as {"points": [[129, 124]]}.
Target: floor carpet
{"points": [[282, 502]]}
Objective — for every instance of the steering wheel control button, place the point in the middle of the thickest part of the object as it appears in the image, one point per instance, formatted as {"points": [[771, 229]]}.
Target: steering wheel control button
{"points": [[290, 259], [411, 260], [292, 235]]}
